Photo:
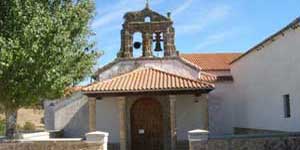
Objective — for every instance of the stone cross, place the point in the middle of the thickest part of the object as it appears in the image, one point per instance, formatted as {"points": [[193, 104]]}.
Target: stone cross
{"points": [[147, 3]]}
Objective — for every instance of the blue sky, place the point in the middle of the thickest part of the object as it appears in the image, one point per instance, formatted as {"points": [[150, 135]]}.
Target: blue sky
{"points": [[202, 26]]}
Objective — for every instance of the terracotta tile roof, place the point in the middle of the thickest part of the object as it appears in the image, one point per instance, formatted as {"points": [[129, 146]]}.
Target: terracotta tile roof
{"points": [[208, 77], [147, 80], [70, 90], [211, 61]]}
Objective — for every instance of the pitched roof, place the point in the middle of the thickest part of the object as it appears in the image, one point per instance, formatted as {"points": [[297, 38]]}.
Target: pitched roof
{"points": [[211, 61], [294, 24], [147, 80], [208, 77]]}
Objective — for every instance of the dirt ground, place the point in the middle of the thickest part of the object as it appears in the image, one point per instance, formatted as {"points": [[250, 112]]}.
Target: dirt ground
{"points": [[30, 115]]}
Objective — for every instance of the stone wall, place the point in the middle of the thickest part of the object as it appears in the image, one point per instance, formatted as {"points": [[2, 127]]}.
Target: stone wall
{"points": [[259, 143], [278, 141], [49, 145]]}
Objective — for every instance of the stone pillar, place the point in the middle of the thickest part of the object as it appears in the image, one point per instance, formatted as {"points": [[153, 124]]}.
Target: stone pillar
{"points": [[92, 114], [198, 139], [169, 42], [173, 121], [123, 126], [126, 45], [98, 137], [147, 44]]}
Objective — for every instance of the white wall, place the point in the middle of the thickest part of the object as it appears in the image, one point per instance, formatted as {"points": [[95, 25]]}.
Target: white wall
{"points": [[107, 118], [262, 78], [188, 115], [174, 66], [221, 108]]}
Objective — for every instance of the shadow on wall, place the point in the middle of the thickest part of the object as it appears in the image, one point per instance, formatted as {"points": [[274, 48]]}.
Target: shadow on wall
{"points": [[69, 115], [78, 125]]}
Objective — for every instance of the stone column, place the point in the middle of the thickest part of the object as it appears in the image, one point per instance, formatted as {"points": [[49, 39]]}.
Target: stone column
{"points": [[169, 42], [147, 45], [173, 121], [198, 139], [92, 114], [126, 44], [123, 127]]}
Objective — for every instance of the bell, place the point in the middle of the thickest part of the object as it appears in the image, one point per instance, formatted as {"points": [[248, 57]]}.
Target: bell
{"points": [[158, 47], [137, 45], [157, 44]]}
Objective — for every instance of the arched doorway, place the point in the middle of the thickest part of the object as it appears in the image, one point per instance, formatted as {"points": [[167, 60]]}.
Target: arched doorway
{"points": [[146, 125]]}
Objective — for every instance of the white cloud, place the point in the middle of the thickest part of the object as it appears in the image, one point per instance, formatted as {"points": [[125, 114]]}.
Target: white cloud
{"points": [[200, 21], [215, 38], [182, 7]]}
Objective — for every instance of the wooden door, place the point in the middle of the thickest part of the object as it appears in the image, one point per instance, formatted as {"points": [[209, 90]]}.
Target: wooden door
{"points": [[146, 125]]}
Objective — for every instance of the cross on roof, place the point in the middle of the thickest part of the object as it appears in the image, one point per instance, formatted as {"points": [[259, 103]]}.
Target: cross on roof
{"points": [[147, 3]]}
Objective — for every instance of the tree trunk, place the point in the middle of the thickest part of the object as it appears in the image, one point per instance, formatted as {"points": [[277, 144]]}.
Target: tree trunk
{"points": [[11, 123]]}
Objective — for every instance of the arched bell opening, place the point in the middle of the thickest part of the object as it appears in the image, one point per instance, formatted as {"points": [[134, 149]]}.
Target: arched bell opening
{"points": [[147, 19], [137, 43], [158, 44]]}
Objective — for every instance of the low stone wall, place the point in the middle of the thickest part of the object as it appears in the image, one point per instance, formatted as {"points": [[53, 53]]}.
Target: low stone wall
{"points": [[278, 141], [255, 142], [51, 145]]}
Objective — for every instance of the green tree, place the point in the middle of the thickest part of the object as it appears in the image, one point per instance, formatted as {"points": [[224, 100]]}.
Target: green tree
{"points": [[45, 46]]}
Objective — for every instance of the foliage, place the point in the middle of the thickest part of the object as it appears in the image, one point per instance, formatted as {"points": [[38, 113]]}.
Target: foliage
{"points": [[29, 126], [44, 48], [2, 126]]}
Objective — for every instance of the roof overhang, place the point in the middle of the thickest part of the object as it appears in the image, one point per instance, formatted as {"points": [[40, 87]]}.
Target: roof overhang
{"points": [[100, 94]]}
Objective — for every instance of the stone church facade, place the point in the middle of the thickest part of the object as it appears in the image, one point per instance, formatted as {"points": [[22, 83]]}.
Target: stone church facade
{"points": [[151, 102]]}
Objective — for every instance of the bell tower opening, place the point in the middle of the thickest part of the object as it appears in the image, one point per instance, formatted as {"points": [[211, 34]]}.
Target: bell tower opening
{"points": [[158, 44], [156, 31], [147, 19], [137, 44]]}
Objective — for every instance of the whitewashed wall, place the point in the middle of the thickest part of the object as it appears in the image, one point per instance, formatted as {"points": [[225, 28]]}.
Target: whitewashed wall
{"points": [[174, 66], [188, 115], [107, 118], [221, 108], [262, 78]]}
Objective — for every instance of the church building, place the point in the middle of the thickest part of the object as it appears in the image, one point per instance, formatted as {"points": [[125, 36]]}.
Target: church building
{"points": [[153, 101]]}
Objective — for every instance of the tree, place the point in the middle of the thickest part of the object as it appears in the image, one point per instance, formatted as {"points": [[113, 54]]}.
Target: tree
{"points": [[45, 46]]}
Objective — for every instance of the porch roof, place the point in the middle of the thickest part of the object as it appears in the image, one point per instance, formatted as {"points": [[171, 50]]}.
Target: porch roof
{"points": [[145, 80]]}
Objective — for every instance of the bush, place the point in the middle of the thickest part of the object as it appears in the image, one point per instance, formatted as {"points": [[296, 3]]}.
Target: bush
{"points": [[2, 127], [28, 126]]}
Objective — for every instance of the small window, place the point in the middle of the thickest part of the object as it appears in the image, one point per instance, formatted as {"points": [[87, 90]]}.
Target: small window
{"points": [[147, 19], [287, 106]]}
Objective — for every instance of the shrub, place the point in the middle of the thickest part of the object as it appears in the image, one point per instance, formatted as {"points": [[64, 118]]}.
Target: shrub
{"points": [[2, 127], [28, 126]]}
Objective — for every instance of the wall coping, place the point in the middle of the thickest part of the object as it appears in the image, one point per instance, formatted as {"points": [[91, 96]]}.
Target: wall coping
{"points": [[248, 136]]}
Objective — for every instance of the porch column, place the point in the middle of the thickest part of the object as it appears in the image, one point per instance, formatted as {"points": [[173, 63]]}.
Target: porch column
{"points": [[123, 127], [173, 121], [92, 114]]}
